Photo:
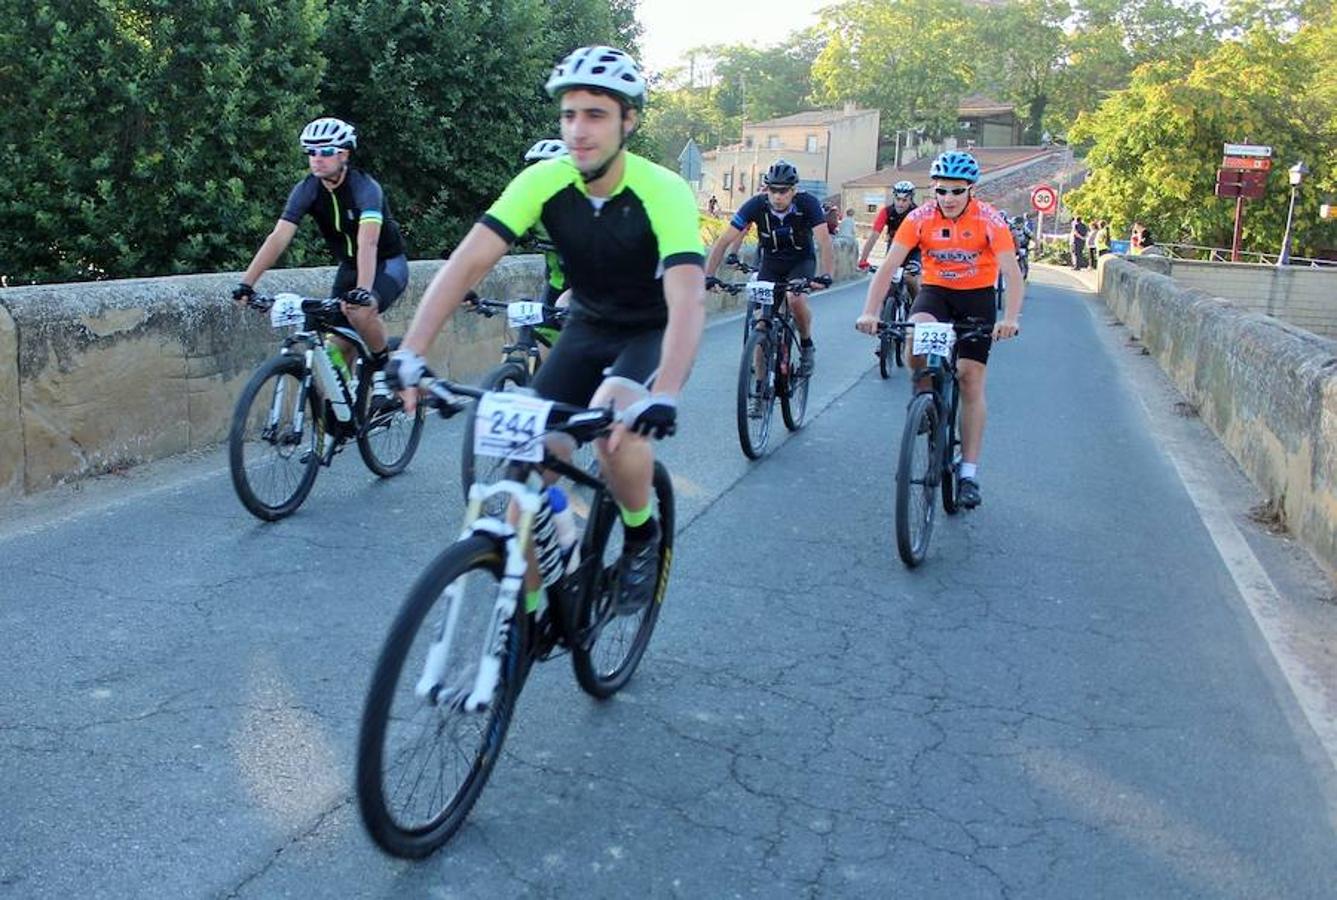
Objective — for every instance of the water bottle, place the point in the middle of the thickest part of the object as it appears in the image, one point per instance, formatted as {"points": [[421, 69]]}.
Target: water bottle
{"points": [[337, 358], [327, 378], [563, 520]]}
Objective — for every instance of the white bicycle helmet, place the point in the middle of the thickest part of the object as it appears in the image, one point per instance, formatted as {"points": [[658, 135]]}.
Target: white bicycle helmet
{"points": [[903, 187], [545, 149], [328, 132], [604, 68]]}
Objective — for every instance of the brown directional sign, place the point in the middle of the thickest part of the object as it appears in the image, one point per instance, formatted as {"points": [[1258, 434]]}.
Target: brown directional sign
{"points": [[1247, 162], [1232, 183]]}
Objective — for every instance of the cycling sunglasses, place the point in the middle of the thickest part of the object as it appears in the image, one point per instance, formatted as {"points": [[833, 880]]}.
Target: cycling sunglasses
{"points": [[779, 188], [955, 192], [321, 151]]}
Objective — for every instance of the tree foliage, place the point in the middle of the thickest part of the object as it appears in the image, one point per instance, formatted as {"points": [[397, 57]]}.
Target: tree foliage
{"points": [[135, 132], [1156, 145]]}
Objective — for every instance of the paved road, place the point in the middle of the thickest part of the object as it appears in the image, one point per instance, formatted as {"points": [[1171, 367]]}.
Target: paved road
{"points": [[1069, 698]]}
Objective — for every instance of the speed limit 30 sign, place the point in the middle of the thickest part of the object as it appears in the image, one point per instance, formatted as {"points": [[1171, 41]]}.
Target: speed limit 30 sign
{"points": [[1044, 198]]}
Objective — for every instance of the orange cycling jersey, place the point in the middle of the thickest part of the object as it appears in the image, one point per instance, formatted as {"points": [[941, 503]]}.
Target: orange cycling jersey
{"points": [[959, 253]]}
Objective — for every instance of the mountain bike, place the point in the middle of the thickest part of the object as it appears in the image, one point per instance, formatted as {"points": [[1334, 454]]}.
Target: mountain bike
{"points": [[534, 326], [302, 405], [931, 439], [769, 367], [452, 667], [895, 308]]}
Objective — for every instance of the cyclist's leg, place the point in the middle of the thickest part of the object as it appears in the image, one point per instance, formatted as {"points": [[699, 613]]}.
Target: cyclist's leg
{"points": [[930, 306], [799, 302], [628, 461], [972, 362]]}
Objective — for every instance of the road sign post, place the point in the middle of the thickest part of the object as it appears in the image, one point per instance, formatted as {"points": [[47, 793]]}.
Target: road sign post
{"points": [[1242, 176]]}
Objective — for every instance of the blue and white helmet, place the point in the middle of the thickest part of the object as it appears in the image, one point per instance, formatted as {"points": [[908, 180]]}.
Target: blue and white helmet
{"points": [[602, 68], [328, 132], [545, 149], [955, 165]]}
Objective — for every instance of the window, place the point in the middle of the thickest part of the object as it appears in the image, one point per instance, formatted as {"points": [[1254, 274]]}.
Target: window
{"points": [[812, 143], [773, 141], [870, 207], [747, 142], [727, 181]]}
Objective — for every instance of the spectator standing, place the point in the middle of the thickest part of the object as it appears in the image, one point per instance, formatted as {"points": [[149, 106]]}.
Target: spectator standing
{"points": [[713, 207], [1103, 238], [846, 227], [1091, 242], [1077, 238]]}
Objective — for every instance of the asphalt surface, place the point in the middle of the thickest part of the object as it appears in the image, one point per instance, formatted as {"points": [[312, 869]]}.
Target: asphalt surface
{"points": [[1069, 698]]}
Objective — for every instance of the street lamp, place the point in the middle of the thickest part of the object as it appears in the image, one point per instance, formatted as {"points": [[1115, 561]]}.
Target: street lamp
{"points": [[1297, 174]]}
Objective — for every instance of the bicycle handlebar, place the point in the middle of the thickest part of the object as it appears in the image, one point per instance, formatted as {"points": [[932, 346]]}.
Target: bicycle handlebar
{"points": [[488, 308], [965, 331], [310, 305], [580, 422]]}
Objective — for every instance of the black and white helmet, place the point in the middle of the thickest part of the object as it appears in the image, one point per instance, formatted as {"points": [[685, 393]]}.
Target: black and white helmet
{"points": [[545, 149], [904, 187], [328, 132], [602, 68]]}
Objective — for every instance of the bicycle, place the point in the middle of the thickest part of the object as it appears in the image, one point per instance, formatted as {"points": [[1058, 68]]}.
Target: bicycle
{"points": [[895, 307], [274, 450], [536, 326], [462, 643], [931, 437], [769, 365]]}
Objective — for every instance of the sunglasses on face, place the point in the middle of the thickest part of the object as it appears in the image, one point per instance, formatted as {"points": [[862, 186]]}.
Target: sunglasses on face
{"points": [[321, 151], [955, 192], [780, 190]]}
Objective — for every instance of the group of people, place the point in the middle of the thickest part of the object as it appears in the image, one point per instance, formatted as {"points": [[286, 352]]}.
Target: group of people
{"points": [[1090, 240], [627, 257]]}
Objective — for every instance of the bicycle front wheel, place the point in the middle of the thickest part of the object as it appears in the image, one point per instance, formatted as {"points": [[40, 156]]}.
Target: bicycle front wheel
{"points": [[886, 345], [389, 437], [951, 450], [756, 394], [612, 645], [790, 385], [423, 759], [917, 476], [272, 460]]}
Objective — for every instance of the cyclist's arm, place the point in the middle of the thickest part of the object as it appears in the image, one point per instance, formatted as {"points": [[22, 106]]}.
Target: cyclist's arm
{"points": [[721, 246], [879, 223], [881, 283], [1014, 289], [368, 236], [828, 251], [684, 293], [270, 251], [481, 249]]}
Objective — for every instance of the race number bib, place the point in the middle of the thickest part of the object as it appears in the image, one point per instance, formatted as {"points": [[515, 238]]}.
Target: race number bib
{"points": [[524, 312], [761, 293], [934, 338], [511, 426], [286, 311]]}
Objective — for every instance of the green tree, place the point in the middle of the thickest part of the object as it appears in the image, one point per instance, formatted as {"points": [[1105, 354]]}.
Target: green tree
{"points": [[137, 134], [446, 97], [1027, 45], [912, 60], [1156, 145], [754, 84]]}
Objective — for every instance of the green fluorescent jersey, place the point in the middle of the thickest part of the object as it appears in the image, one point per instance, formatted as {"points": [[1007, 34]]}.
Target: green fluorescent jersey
{"points": [[614, 250]]}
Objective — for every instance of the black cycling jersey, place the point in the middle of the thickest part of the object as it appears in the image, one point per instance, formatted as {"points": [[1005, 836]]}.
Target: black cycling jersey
{"points": [[338, 213], [613, 250], [786, 235]]}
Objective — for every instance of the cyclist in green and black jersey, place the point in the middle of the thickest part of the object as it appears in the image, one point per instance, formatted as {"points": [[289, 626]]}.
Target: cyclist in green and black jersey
{"points": [[354, 217], [627, 231]]}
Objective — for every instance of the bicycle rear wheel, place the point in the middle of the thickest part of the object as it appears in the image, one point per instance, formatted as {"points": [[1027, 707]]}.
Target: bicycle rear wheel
{"points": [[614, 645], [422, 759], [273, 463], [505, 377], [389, 438], [917, 477], [791, 386], [756, 394]]}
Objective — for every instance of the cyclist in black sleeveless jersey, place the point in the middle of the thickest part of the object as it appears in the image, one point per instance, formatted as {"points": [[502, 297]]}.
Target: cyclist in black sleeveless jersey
{"points": [[354, 217], [790, 227], [628, 233]]}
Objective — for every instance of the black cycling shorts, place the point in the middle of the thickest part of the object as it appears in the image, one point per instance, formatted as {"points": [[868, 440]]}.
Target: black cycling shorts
{"points": [[947, 305], [392, 276], [786, 269], [589, 353]]}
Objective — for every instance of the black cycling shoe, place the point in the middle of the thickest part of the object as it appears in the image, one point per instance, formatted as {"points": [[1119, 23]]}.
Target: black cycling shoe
{"points": [[637, 575], [968, 493]]}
